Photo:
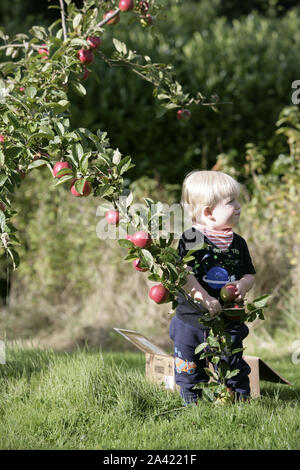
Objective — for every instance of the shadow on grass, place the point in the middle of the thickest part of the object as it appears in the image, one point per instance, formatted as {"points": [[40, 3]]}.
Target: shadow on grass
{"points": [[25, 362], [290, 372]]}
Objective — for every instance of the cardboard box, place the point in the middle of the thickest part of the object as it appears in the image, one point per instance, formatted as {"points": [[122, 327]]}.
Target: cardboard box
{"points": [[160, 365]]}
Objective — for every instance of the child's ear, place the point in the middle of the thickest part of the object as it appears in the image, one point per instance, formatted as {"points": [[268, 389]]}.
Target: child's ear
{"points": [[207, 211]]}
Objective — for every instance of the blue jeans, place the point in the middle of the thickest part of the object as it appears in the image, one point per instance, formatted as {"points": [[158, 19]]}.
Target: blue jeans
{"points": [[189, 369]]}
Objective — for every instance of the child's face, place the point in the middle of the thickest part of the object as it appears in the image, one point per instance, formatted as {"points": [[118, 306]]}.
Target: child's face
{"points": [[225, 214]]}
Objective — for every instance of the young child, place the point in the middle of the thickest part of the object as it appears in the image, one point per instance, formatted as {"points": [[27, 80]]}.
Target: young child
{"points": [[212, 199]]}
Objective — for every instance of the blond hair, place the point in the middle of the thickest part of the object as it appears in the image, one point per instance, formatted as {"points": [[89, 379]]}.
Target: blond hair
{"points": [[206, 188]]}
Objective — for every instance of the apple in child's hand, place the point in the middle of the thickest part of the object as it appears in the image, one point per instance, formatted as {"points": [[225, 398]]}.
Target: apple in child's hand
{"points": [[85, 56], [136, 263], [229, 293], [126, 5], [112, 217], [94, 42], [61, 166], [141, 239], [159, 294], [114, 20]]}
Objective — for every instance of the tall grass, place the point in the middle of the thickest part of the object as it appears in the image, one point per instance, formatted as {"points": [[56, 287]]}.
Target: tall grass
{"points": [[89, 399]]}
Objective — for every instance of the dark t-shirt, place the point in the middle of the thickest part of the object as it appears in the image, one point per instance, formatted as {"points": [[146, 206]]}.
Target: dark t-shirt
{"points": [[213, 268]]}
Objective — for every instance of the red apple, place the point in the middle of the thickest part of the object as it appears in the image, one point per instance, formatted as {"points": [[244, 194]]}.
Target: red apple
{"points": [[21, 89], [114, 20], [128, 237], [141, 239], [229, 293], [183, 114], [44, 51], [144, 6], [94, 42], [86, 189], [60, 166], [159, 294], [126, 5], [85, 56], [136, 263], [112, 217], [2, 138]]}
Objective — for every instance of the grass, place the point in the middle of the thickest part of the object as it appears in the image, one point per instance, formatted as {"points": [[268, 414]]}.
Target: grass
{"points": [[90, 399]]}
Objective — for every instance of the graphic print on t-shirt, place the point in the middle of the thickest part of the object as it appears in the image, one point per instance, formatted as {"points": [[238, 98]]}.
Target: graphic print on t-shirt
{"points": [[216, 275]]}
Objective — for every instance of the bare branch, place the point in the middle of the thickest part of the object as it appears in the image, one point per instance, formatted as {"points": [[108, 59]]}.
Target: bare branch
{"points": [[63, 19]]}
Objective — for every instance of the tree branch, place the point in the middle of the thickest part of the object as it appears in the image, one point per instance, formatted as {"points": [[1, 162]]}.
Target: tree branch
{"points": [[103, 22], [63, 19]]}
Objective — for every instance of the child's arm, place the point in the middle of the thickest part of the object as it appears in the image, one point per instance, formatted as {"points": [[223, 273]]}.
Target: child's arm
{"points": [[244, 285], [198, 293]]}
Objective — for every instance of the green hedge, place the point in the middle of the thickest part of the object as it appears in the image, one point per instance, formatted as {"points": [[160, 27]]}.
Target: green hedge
{"points": [[251, 63]]}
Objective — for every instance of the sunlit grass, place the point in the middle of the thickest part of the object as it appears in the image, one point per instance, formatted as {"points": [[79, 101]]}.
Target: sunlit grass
{"points": [[89, 399]]}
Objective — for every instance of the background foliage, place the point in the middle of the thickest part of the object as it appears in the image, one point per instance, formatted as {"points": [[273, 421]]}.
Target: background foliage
{"points": [[71, 286]]}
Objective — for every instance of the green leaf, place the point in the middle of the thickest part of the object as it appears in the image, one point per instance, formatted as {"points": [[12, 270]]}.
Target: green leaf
{"points": [[79, 185], [116, 157], [64, 179], [40, 135], [2, 157], [3, 179], [39, 32], [173, 271], [186, 259], [105, 190], [84, 162], [120, 46], [77, 151], [213, 342], [211, 373], [31, 91], [146, 258], [78, 42], [36, 164], [234, 351], [2, 221], [125, 244], [78, 87], [77, 20], [215, 360], [154, 277], [232, 373], [200, 347], [124, 165], [261, 302]]}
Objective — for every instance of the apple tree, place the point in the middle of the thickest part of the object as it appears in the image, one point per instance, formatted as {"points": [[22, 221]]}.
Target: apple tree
{"points": [[39, 69]]}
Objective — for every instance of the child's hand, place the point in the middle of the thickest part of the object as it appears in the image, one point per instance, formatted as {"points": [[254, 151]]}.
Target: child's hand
{"points": [[241, 289], [213, 306]]}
